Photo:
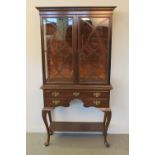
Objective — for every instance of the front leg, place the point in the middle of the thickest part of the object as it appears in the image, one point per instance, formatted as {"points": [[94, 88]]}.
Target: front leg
{"points": [[44, 116], [50, 119], [107, 118]]}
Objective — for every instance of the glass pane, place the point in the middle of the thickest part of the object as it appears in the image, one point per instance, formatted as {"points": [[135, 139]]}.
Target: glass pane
{"points": [[58, 49], [93, 55]]}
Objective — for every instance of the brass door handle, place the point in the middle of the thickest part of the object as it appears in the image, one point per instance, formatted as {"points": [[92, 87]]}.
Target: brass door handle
{"points": [[55, 102], [97, 102], [97, 94], [55, 94], [76, 93]]}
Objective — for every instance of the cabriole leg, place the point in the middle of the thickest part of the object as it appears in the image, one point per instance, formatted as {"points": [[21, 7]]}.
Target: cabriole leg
{"points": [[107, 118], [50, 119], [44, 116]]}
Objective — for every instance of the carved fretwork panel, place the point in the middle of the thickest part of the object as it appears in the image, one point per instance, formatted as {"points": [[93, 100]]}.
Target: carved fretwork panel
{"points": [[93, 53], [58, 49]]}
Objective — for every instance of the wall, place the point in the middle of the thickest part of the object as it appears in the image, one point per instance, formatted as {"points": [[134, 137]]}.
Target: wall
{"points": [[119, 69]]}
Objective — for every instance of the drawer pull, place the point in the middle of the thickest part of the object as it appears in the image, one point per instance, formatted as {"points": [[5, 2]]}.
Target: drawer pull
{"points": [[97, 102], [76, 94], [55, 94], [96, 94], [56, 102]]}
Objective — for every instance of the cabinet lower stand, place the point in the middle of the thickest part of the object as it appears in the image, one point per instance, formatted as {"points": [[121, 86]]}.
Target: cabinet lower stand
{"points": [[76, 126]]}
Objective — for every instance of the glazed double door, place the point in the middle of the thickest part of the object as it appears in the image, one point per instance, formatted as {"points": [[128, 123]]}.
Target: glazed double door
{"points": [[76, 49]]}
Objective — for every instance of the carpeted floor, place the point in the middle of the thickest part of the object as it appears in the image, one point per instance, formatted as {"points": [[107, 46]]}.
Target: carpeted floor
{"points": [[77, 144]]}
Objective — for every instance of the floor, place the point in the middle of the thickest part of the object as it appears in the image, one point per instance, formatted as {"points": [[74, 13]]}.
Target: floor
{"points": [[77, 144]]}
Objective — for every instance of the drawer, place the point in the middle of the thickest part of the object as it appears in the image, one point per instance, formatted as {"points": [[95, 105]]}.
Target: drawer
{"points": [[58, 94], [56, 102], [101, 102], [95, 94], [76, 94]]}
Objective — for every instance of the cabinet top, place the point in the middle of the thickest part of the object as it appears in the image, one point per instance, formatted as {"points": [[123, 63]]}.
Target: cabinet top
{"points": [[75, 8]]}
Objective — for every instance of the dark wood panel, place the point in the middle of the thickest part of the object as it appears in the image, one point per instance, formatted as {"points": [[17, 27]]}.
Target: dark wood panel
{"points": [[76, 126]]}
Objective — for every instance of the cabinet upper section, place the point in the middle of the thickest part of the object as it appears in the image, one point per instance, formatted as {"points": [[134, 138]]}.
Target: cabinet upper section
{"points": [[76, 44]]}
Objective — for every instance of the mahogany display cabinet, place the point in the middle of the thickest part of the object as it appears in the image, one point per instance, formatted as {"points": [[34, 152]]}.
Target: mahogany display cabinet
{"points": [[76, 59]]}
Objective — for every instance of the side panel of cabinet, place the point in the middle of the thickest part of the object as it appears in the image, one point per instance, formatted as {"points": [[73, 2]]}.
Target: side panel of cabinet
{"points": [[94, 39], [58, 35]]}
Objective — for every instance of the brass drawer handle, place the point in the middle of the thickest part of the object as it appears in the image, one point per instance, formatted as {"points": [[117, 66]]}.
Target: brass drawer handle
{"points": [[55, 94], [96, 94], [56, 102], [76, 93], [97, 102]]}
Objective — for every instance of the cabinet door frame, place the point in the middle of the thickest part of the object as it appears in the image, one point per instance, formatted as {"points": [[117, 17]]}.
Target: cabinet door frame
{"points": [[74, 46], [92, 15]]}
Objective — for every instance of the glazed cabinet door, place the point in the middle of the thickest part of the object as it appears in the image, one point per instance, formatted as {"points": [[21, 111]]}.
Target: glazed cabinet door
{"points": [[93, 49], [58, 48]]}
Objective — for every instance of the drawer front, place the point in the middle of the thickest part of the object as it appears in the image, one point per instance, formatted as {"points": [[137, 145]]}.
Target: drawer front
{"points": [[95, 94], [56, 102], [57, 94], [76, 94], [101, 102]]}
